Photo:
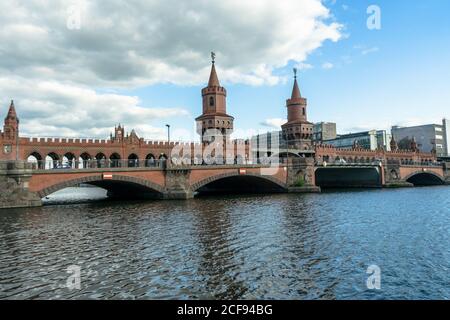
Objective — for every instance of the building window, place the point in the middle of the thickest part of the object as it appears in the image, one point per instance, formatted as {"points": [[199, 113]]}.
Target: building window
{"points": [[211, 102], [439, 137], [304, 112]]}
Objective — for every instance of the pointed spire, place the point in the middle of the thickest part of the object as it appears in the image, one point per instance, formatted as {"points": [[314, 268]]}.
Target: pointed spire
{"points": [[394, 145], [213, 79], [295, 91], [12, 111]]}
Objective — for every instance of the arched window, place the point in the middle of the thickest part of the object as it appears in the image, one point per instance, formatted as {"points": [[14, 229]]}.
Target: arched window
{"points": [[101, 160], [133, 161], [52, 161], [211, 102], [37, 160], [84, 160], [115, 160], [68, 160], [150, 160]]}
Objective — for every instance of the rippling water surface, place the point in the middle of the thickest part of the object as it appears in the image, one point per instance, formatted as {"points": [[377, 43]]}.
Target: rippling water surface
{"points": [[243, 247]]}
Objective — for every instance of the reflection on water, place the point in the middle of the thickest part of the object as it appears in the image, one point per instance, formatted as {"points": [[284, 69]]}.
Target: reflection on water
{"points": [[236, 247], [76, 195]]}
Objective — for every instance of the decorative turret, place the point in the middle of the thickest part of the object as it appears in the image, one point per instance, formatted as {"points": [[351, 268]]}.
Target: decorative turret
{"points": [[214, 119], [394, 145], [296, 105], [119, 133], [11, 126], [297, 132], [414, 145]]}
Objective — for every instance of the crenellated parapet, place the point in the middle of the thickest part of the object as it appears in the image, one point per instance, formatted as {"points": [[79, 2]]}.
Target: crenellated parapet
{"points": [[332, 153]]}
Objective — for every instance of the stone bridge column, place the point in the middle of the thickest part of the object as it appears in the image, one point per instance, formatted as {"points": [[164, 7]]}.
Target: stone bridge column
{"points": [[177, 184], [301, 176], [447, 172], [392, 176], [14, 178]]}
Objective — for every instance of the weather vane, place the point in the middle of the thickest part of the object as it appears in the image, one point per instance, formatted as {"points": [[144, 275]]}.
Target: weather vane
{"points": [[213, 57], [295, 73]]}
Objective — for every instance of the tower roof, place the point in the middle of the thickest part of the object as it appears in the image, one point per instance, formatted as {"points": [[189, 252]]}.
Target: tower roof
{"points": [[295, 90], [213, 79], [12, 111]]}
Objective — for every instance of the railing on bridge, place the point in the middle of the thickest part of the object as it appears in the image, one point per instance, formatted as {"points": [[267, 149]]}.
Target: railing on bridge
{"points": [[96, 164], [136, 163], [163, 163], [378, 162]]}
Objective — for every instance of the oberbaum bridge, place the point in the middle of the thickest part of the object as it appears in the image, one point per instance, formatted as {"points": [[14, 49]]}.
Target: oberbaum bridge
{"points": [[128, 166]]}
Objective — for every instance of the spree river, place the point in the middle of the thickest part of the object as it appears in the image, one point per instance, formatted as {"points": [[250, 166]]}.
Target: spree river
{"points": [[315, 246]]}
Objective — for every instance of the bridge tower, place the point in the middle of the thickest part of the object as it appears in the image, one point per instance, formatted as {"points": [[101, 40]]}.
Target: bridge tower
{"points": [[10, 135], [214, 121], [394, 145], [298, 131]]}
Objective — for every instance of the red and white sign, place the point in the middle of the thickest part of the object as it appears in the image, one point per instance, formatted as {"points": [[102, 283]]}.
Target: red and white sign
{"points": [[107, 176], [242, 171]]}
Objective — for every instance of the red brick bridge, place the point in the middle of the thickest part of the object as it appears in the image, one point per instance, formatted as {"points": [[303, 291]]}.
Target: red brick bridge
{"points": [[127, 165], [180, 182], [25, 184]]}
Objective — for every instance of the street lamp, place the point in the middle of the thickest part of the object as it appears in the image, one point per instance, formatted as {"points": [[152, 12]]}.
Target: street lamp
{"points": [[168, 132]]}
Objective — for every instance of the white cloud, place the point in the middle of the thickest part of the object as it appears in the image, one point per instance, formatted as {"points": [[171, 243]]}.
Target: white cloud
{"points": [[274, 123], [370, 50], [365, 49], [327, 65], [59, 75], [304, 66], [145, 42], [50, 108]]}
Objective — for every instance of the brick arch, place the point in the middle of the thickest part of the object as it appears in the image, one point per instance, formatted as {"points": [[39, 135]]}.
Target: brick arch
{"points": [[85, 153], [90, 179], [35, 152], [211, 179], [409, 176]]}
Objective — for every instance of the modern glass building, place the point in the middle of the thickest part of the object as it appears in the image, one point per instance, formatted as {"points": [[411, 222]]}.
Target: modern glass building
{"points": [[324, 131], [370, 140], [428, 137]]}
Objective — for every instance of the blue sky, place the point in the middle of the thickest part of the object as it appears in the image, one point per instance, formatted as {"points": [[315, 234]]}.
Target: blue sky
{"points": [[144, 64], [370, 79]]}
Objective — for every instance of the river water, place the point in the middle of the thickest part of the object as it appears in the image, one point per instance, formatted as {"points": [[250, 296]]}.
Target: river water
{"points": [[315, 246]]}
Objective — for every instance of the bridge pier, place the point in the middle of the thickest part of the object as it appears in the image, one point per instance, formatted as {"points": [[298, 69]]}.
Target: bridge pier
{"points": [[392, 177], [301, 176], [177, 184], [14, 179], [447, 172]]}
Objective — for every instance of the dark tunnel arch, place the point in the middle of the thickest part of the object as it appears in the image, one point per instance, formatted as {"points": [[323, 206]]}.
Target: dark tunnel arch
{"points": [[117, 187], [348, 177], [425, 179], [239, 184]]}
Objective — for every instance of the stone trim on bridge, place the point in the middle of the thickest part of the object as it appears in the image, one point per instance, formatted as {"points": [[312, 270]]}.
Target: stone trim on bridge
{"points": [[89, 179]]}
